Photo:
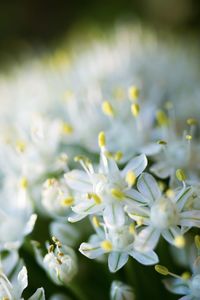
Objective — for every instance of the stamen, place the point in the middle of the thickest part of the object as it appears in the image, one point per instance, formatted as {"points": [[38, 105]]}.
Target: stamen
{"points": [[180, 174], [179, 241], [51, 248], [116, 193], [67, 201], [133, 93], [186, 276], [135, 109], [108, 109], [161, 270], [95, 222], [20, 146], [106, 246], [95, 197], [130, 178], [23, 183], [132, 228], [66, 128], [197, 241], [102, 139], [162, 118], [118, 156]]}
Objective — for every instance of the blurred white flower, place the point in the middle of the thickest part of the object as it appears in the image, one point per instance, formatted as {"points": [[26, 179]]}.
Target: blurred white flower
{"points": [[121, 291]]}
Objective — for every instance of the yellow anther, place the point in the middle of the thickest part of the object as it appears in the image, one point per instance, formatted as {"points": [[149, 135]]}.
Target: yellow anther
{"points": [[186, 276], [161, 185], [162, 142], [132, 228], [192, 121], [108, 154], [59, 261], [170, 193], [135, 109], [130, 178], [161, 270], [179, 241], [23, 183], [188, 137], [140, 221], [95, 197], [20, 146], [56, 241], [197, 241], [51, 248], [161, 117], [118, 156], [107, 109], [66, 128], [180, 174], [67, 201], [95, 222], [106, 246], [50, 182], [133, 93], [102, 139], [5, 298], [116, 193]]}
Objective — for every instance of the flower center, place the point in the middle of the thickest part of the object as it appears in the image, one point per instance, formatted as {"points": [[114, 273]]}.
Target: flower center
{"points": [[164, 214]]}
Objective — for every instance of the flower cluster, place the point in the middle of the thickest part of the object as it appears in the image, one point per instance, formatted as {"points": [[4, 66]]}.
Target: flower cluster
{"points": [[118, 199]]}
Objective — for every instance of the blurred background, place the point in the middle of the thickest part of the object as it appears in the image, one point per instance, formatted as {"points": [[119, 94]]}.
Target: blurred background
{"points": [[34, 23]]}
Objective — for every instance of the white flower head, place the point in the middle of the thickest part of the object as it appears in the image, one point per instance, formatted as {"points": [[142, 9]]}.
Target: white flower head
{"points": [[163, 214]]}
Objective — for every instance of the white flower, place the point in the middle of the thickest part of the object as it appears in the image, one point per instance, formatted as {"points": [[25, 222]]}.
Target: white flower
{"points": [[106, 191], [60, 262], [14, 291], [17, 218], [118, 243], [121, 291], [56, 198], [162, 214]]}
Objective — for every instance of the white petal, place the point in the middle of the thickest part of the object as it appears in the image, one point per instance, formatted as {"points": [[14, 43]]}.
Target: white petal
{"points": [[190, 218], [114, 214], [147, 239], [22, 281], [116, 261], [138, 212], [78, 180], [145, 258], [87, 207], [73, 218], [182, 197], [30, 224], [135, 196], [148, 186], [161, 169], [91, 250], [137, 165], [38, 295], [171, 233], [176, 286]]}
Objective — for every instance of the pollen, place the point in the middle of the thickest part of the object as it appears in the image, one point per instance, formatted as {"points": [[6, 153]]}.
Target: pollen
{"points": [[116, 193], [107, 109], [188, 137], [106, 246], [180, 174], [161, 270], [67, 201], [20, 146], [102, 139], [132, 228], [186, 276], [66, 128], [170, 193], [192, 121], [179, 241], [161, 118], [118, 156], [95, 222], [130, 178], [133, 93], [135, 109], [23, 183]]}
